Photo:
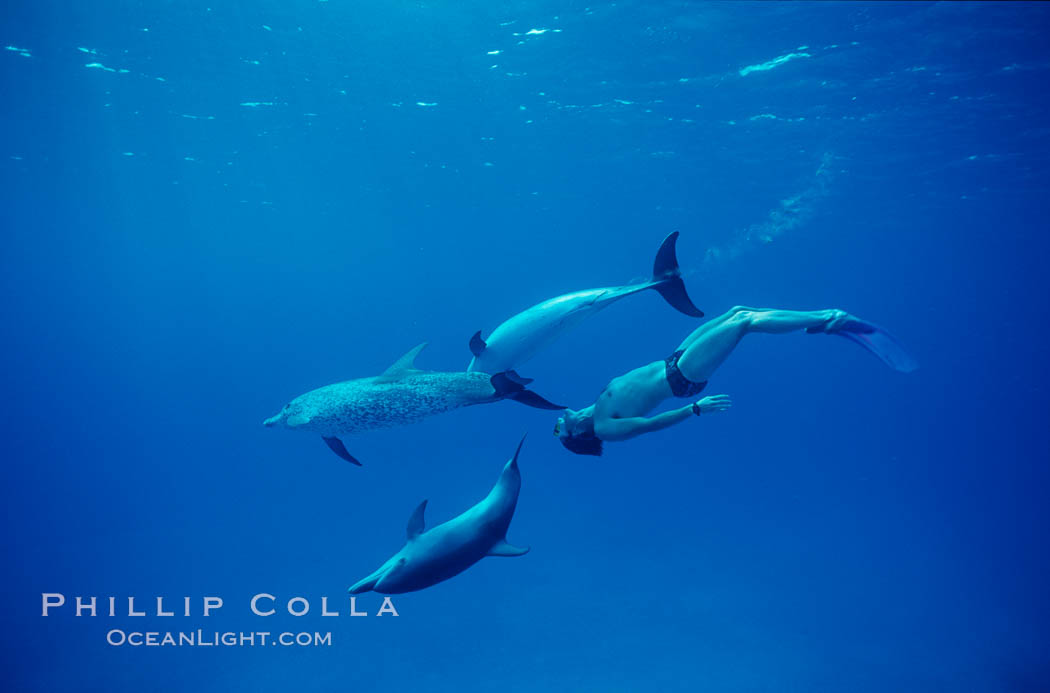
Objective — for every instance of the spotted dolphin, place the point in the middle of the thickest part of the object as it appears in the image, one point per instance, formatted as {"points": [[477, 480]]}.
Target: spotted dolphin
{"points": [[431, 556], [518, 339], [401, 395]]}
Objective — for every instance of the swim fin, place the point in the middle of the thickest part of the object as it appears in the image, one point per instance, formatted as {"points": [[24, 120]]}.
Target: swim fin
{"points": [[669, 280], [876, 340]]}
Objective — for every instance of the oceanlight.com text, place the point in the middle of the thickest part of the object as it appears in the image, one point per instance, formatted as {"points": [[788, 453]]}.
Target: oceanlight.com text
{"points": [[200, 638]]}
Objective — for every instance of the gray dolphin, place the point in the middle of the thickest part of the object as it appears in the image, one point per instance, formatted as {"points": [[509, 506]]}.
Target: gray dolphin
{"points": [[402, 395], [520, 337], [429, 557]]}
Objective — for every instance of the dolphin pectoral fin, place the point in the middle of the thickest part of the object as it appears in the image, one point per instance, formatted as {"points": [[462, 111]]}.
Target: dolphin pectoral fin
{"points": [[415, 522], [404, 366], [477, 344], [365, 585], [502, 548], [667, 278], [338, 448]]}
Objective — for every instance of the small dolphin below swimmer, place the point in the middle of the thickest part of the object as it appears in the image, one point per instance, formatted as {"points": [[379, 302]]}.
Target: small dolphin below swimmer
{"points": [[519, 338], [402, 394], [432, 556]]}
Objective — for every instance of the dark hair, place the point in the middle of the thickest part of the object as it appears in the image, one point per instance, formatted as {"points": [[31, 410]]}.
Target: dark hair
{"points": [[583, 444]]}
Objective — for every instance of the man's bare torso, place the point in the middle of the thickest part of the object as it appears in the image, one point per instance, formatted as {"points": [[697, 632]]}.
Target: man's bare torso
{"points": [[634, 393]]}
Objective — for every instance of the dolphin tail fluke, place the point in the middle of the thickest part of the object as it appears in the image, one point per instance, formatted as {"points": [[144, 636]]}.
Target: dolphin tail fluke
{"points": [[515, 378], [667, 278], [514, 460], [338, 448], [510, 385], [531, 399]]}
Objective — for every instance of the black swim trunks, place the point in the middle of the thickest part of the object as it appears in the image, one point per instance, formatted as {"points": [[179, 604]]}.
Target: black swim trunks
{"points": [[680, 385]]}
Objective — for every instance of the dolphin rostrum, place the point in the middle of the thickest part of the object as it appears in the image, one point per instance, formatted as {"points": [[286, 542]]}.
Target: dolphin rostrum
{"points": [[403, 394], [518, 339], [430, 556]]}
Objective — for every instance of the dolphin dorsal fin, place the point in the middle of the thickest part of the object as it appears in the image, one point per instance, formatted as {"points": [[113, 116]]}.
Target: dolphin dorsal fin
{"points": [[406, 365], [415, 523]]}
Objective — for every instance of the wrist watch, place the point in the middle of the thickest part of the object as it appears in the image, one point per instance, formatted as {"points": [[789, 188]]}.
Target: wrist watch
{"points": [[696, 408]]}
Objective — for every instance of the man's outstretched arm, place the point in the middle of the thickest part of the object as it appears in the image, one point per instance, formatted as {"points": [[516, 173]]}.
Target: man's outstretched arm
{"points": [[621, 429]]}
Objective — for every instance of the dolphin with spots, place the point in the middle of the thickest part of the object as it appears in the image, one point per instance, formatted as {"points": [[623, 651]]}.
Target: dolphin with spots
{"points": [[431, 556], [518, 339], [401, 395]]}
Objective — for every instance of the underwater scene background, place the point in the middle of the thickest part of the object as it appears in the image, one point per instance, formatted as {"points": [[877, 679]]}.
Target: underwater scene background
{"points": [[211, 207]]}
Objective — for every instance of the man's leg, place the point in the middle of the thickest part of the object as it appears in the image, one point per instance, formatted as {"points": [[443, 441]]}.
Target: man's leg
{"points": [[710, 325], [706, 351]]}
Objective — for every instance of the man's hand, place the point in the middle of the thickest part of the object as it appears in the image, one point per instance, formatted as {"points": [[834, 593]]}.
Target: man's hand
{"points": [[714, 403]]}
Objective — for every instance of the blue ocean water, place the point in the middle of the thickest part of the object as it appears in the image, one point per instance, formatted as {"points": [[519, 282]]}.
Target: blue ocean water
{"points": [[209, 208]]}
